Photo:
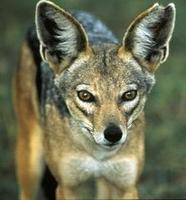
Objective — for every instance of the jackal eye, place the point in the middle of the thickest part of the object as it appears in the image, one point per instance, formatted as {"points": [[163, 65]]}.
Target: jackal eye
{"points": [[129, 95], [85, 96]]}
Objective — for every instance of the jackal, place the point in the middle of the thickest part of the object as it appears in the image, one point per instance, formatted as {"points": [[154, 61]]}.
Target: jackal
{"points": [[79, 97]]}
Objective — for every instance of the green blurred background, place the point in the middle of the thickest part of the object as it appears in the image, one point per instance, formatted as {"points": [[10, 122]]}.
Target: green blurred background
{"points": [[165, 168]]}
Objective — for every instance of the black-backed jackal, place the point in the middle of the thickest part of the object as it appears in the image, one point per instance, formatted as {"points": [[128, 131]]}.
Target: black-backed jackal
{"points": [[79, 97]]}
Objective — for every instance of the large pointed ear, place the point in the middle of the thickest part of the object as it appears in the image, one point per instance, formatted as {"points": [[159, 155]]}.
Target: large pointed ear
{"points": [[61, 36], [148, 36]]}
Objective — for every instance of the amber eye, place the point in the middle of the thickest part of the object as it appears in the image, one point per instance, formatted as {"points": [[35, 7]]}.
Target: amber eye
{"points": [[86, 96], [129, 95]]}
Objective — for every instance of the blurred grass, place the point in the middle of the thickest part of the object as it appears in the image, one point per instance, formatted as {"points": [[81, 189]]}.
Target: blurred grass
{"points": [[164, 175]]}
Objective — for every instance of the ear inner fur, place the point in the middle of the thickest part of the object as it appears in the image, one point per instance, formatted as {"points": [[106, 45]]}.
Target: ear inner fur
{"points": [[148, 36], [63, 38]]}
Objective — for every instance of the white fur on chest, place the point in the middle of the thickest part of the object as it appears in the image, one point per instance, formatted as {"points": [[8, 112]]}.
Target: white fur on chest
{"points": [[75, 170]]}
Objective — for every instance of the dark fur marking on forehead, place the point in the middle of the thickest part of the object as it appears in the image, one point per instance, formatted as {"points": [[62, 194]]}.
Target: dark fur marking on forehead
{"points": [[104, 59], [103, 66], [104, 55]]}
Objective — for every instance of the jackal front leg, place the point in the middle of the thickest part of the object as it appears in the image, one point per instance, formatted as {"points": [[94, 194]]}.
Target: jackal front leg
{"points": [[63, 193], [107, 190], [29, 161], [131, 193]]}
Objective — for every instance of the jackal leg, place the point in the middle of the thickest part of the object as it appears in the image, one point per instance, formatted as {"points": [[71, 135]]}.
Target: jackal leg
{"points": [[107, 190], [59, 194], [131, 193], [29, 155], [29, 161], [103, 189], [82, 191]]}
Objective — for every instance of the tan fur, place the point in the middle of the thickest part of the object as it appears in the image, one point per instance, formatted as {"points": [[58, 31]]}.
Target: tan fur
{"points": [[29, 142], [72, 141]]}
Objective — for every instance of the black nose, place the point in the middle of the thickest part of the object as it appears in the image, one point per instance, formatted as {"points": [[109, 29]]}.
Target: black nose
{"points": [[113, 133]]}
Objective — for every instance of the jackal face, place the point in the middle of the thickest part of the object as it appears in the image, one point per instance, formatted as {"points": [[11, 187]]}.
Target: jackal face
{"points": [[104, 86]]}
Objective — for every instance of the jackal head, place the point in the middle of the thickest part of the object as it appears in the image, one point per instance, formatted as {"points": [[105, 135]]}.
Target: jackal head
{"points": [[104, 86]]}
